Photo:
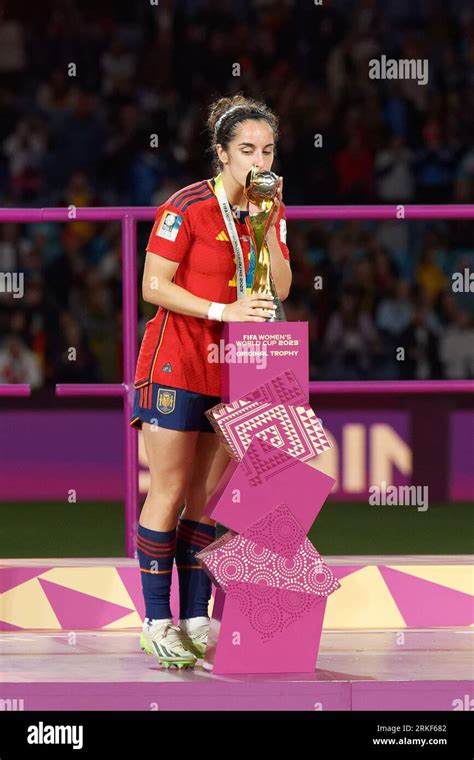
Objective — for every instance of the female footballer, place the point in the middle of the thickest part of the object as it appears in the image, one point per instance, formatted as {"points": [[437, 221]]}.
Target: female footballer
{"points": [[190, 274]]}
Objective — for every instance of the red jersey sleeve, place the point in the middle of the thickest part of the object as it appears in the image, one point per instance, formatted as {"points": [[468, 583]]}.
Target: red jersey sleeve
{"points": [[170, 235], [281, 232]]}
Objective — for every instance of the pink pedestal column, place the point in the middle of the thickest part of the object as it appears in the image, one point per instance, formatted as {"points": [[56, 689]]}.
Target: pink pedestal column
{"points": [[272, 585]]}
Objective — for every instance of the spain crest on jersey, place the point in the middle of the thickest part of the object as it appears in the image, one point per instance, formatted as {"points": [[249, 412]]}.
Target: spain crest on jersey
{"points": [[166, 400]]}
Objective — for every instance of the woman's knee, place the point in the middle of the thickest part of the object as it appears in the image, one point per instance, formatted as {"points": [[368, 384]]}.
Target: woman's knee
{"points": [[160, 512], [165, 500], [197, 495]]}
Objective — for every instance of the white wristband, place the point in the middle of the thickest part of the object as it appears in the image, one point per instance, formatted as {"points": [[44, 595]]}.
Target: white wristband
{"points": [[215, 311]]}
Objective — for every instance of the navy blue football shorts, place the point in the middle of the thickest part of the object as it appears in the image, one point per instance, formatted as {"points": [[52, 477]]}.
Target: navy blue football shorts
{"points": [[172, 408]]}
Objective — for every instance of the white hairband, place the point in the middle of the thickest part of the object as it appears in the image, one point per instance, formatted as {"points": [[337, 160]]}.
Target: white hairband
{"points": [[226, 113]]}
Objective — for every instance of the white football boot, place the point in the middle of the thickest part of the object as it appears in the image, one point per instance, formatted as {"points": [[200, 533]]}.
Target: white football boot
{"points": [[164, 640], [194, 634]]}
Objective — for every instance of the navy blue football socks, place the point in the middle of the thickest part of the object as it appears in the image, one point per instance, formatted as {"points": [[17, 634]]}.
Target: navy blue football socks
{"points": [[156, 550], [194, 585]]}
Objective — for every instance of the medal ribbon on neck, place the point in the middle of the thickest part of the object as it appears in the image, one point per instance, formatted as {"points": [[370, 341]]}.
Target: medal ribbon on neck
{"points": [[226, 212]]}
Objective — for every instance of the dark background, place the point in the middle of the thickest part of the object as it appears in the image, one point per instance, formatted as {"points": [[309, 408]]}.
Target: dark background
{"points": [[143, 70]]}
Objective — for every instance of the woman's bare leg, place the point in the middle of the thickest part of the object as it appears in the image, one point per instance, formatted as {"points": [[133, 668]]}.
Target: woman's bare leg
{"points": [[195, 532], [210, 461], [170, 455]]}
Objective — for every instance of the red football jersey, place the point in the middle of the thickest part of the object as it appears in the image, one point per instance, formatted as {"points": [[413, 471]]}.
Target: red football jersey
{"points": [[189, 228]]}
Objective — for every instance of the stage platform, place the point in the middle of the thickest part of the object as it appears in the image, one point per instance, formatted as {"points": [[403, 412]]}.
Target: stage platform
{"points": [[398, 635], [377, 592], [359, 670]]}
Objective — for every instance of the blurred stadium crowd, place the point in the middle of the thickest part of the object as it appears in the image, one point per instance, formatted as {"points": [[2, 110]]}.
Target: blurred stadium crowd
{"points": [[82, 88]]}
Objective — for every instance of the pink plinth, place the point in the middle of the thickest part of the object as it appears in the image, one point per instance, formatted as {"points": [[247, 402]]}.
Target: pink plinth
{"points": [[276, 346], [277, 411], [271, 583], [251, 488], [237, 641]]}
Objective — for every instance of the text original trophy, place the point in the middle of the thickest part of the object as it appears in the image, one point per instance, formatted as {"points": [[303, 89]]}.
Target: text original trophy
{"points": [[260, 189]]}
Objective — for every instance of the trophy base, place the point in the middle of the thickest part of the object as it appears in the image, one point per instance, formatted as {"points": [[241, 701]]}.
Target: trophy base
{"points": [[279, 315]]}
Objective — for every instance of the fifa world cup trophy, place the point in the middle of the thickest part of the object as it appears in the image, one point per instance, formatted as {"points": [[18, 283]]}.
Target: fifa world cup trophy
{"points": [[260, 189]]}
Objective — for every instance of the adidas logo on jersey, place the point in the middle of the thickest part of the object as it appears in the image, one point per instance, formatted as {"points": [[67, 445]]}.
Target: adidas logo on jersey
{"points": [[222, 236]]}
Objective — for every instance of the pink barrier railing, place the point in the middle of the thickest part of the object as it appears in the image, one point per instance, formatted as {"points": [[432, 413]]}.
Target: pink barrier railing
{"points": [[129, 216]]}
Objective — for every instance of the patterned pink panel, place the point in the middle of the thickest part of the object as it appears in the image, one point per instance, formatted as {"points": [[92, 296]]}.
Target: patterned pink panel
{"points": [[276, 412]]}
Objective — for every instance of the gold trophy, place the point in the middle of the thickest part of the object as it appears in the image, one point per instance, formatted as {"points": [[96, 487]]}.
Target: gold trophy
{"points": [[260, 189]]}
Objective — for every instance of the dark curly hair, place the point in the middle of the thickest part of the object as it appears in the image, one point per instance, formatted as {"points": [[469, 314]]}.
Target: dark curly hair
{"points": [[225, 114]]}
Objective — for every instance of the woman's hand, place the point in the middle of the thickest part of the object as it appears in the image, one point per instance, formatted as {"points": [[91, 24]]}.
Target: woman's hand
{"points": [[256, 307]]}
